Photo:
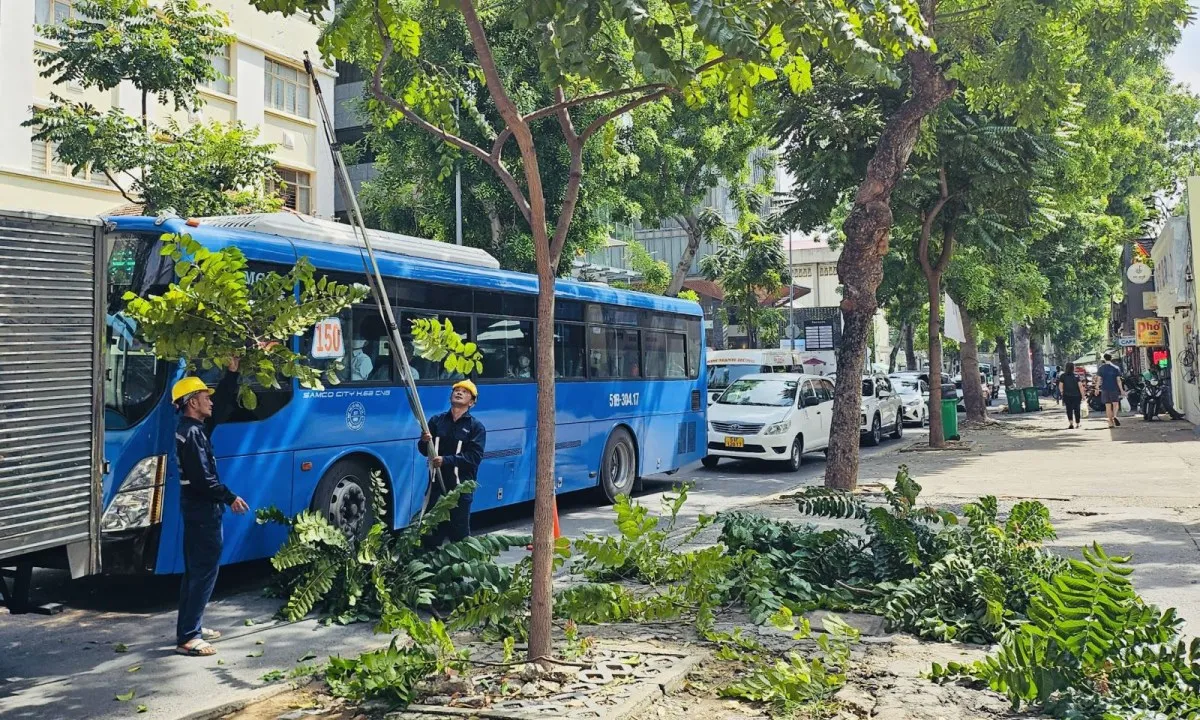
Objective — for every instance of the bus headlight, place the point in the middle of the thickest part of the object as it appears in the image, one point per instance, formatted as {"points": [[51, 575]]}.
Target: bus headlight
{"points": [[138, 502]]}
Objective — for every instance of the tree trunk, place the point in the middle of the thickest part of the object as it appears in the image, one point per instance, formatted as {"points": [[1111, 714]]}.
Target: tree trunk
{"points": [[497, 230], [1005, 366], [937, 435], [1038, 358], [541, 602], [896, 348], [1024, 371], [691, 227], [972, 388], [910, 353], [860, 266]]}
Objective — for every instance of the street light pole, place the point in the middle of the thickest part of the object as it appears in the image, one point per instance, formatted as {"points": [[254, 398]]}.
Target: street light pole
{"points": [[792, 291], [457, 192]]}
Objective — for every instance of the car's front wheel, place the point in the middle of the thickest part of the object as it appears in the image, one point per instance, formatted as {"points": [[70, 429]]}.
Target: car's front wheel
{"points": [[797, 456], [710, 461], [875, 436], [898, 431]]}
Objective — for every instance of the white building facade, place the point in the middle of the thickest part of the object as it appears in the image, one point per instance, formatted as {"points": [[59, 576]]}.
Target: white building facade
{"points": [[267, 89], [1175, 267]]}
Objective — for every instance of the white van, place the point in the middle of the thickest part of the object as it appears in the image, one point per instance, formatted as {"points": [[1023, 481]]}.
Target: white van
{"points": [[776, 416], [727, 366]]}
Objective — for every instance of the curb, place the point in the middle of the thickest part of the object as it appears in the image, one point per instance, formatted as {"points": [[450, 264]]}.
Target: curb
{"points": [[219, 711], [667, 685]]}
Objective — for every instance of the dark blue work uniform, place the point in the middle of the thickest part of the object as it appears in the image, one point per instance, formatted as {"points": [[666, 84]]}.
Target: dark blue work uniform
{"points": [[460, 444], [202, 503]]}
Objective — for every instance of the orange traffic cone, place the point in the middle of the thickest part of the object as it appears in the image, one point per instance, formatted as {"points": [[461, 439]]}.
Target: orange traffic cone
{"points": [[557, 531], [554, 506]]}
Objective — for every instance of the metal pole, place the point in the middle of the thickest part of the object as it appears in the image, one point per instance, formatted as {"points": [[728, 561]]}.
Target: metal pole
{"points": [[382, 302], [792, 291], [457, 192]]}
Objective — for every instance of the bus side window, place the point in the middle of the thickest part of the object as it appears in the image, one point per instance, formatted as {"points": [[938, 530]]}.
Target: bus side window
{"points": [[370, 350], [613, 353], [570, 351], [424, 369], [325, 364], [693, 348], [507, 347]]}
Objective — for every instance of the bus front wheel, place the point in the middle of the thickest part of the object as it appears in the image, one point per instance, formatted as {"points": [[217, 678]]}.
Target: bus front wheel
{"points": [[618, 466], [344, 497]]}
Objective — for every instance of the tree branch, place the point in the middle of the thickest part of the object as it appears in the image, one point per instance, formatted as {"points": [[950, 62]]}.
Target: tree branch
{"points": [[380, 94], [498, 145], [533, 208], [947, 244], [562, 104], [574, 178], [927, 221], [599, 122], [120, 189]]}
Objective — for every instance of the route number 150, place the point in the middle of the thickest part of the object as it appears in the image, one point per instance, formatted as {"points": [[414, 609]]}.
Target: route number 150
{"points": [[327, 339]]}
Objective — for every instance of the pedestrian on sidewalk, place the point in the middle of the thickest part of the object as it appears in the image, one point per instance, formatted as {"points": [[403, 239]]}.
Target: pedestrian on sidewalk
{"points": [[202, 502], [460, 442], [1071, 394], [1112, 389]]}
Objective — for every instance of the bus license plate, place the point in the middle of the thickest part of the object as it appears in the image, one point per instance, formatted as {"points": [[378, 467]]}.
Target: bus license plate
{"points": [[735, 442]]}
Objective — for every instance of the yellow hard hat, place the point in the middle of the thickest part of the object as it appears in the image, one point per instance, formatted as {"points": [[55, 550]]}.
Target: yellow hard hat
{"points": [[187, 386], [468, 386]]}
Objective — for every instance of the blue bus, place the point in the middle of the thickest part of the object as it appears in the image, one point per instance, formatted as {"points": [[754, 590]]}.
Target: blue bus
{"points": [[630, 394]]}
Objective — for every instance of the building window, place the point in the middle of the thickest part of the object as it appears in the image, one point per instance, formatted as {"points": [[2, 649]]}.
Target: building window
{"points": [[286, 88], [44, 161], [296, 189], [223, 63], [52, 12]]}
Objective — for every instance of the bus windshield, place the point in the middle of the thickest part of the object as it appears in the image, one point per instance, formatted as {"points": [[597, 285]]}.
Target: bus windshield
{"points": [[722, 376], [134, 380]]}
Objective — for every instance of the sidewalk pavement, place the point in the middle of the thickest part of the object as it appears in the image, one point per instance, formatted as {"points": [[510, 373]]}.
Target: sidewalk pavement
{"points": [[1133, 489], [66, 666]]}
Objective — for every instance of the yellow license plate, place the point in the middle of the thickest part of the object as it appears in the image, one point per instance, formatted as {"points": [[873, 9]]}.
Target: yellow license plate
{"points": [[735, 442]]}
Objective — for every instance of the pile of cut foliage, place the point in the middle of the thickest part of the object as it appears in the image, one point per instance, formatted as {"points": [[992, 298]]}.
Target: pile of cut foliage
{"points": [[1075, 640]]}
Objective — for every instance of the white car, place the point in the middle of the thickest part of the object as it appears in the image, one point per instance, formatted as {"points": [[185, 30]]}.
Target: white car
{"points": [[776, 416], [914, 398], [881, 409]]}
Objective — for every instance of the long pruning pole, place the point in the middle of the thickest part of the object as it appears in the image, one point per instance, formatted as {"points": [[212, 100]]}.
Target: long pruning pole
{"points": [[370, 266]]}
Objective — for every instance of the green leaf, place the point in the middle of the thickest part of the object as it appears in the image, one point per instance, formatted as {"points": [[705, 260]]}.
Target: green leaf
{"points": [[126, 697], [142, 708], [120, 648]]}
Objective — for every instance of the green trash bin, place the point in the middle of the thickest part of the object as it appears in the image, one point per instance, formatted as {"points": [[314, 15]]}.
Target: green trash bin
{"points": [[1016, 400], [1031, 400], [950, 419]]}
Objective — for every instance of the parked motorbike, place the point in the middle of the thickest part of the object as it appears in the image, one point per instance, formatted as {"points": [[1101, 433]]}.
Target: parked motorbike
{"points": [[1156, 399], [1152, 399]]}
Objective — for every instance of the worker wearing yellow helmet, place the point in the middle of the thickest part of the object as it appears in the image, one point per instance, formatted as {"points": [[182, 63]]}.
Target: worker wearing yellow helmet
{"points": [[454, 446], [202, 502]]}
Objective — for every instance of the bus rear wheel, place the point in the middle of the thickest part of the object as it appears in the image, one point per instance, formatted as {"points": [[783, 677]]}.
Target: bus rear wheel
{"points": [[618, 465], [344, 497]]}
